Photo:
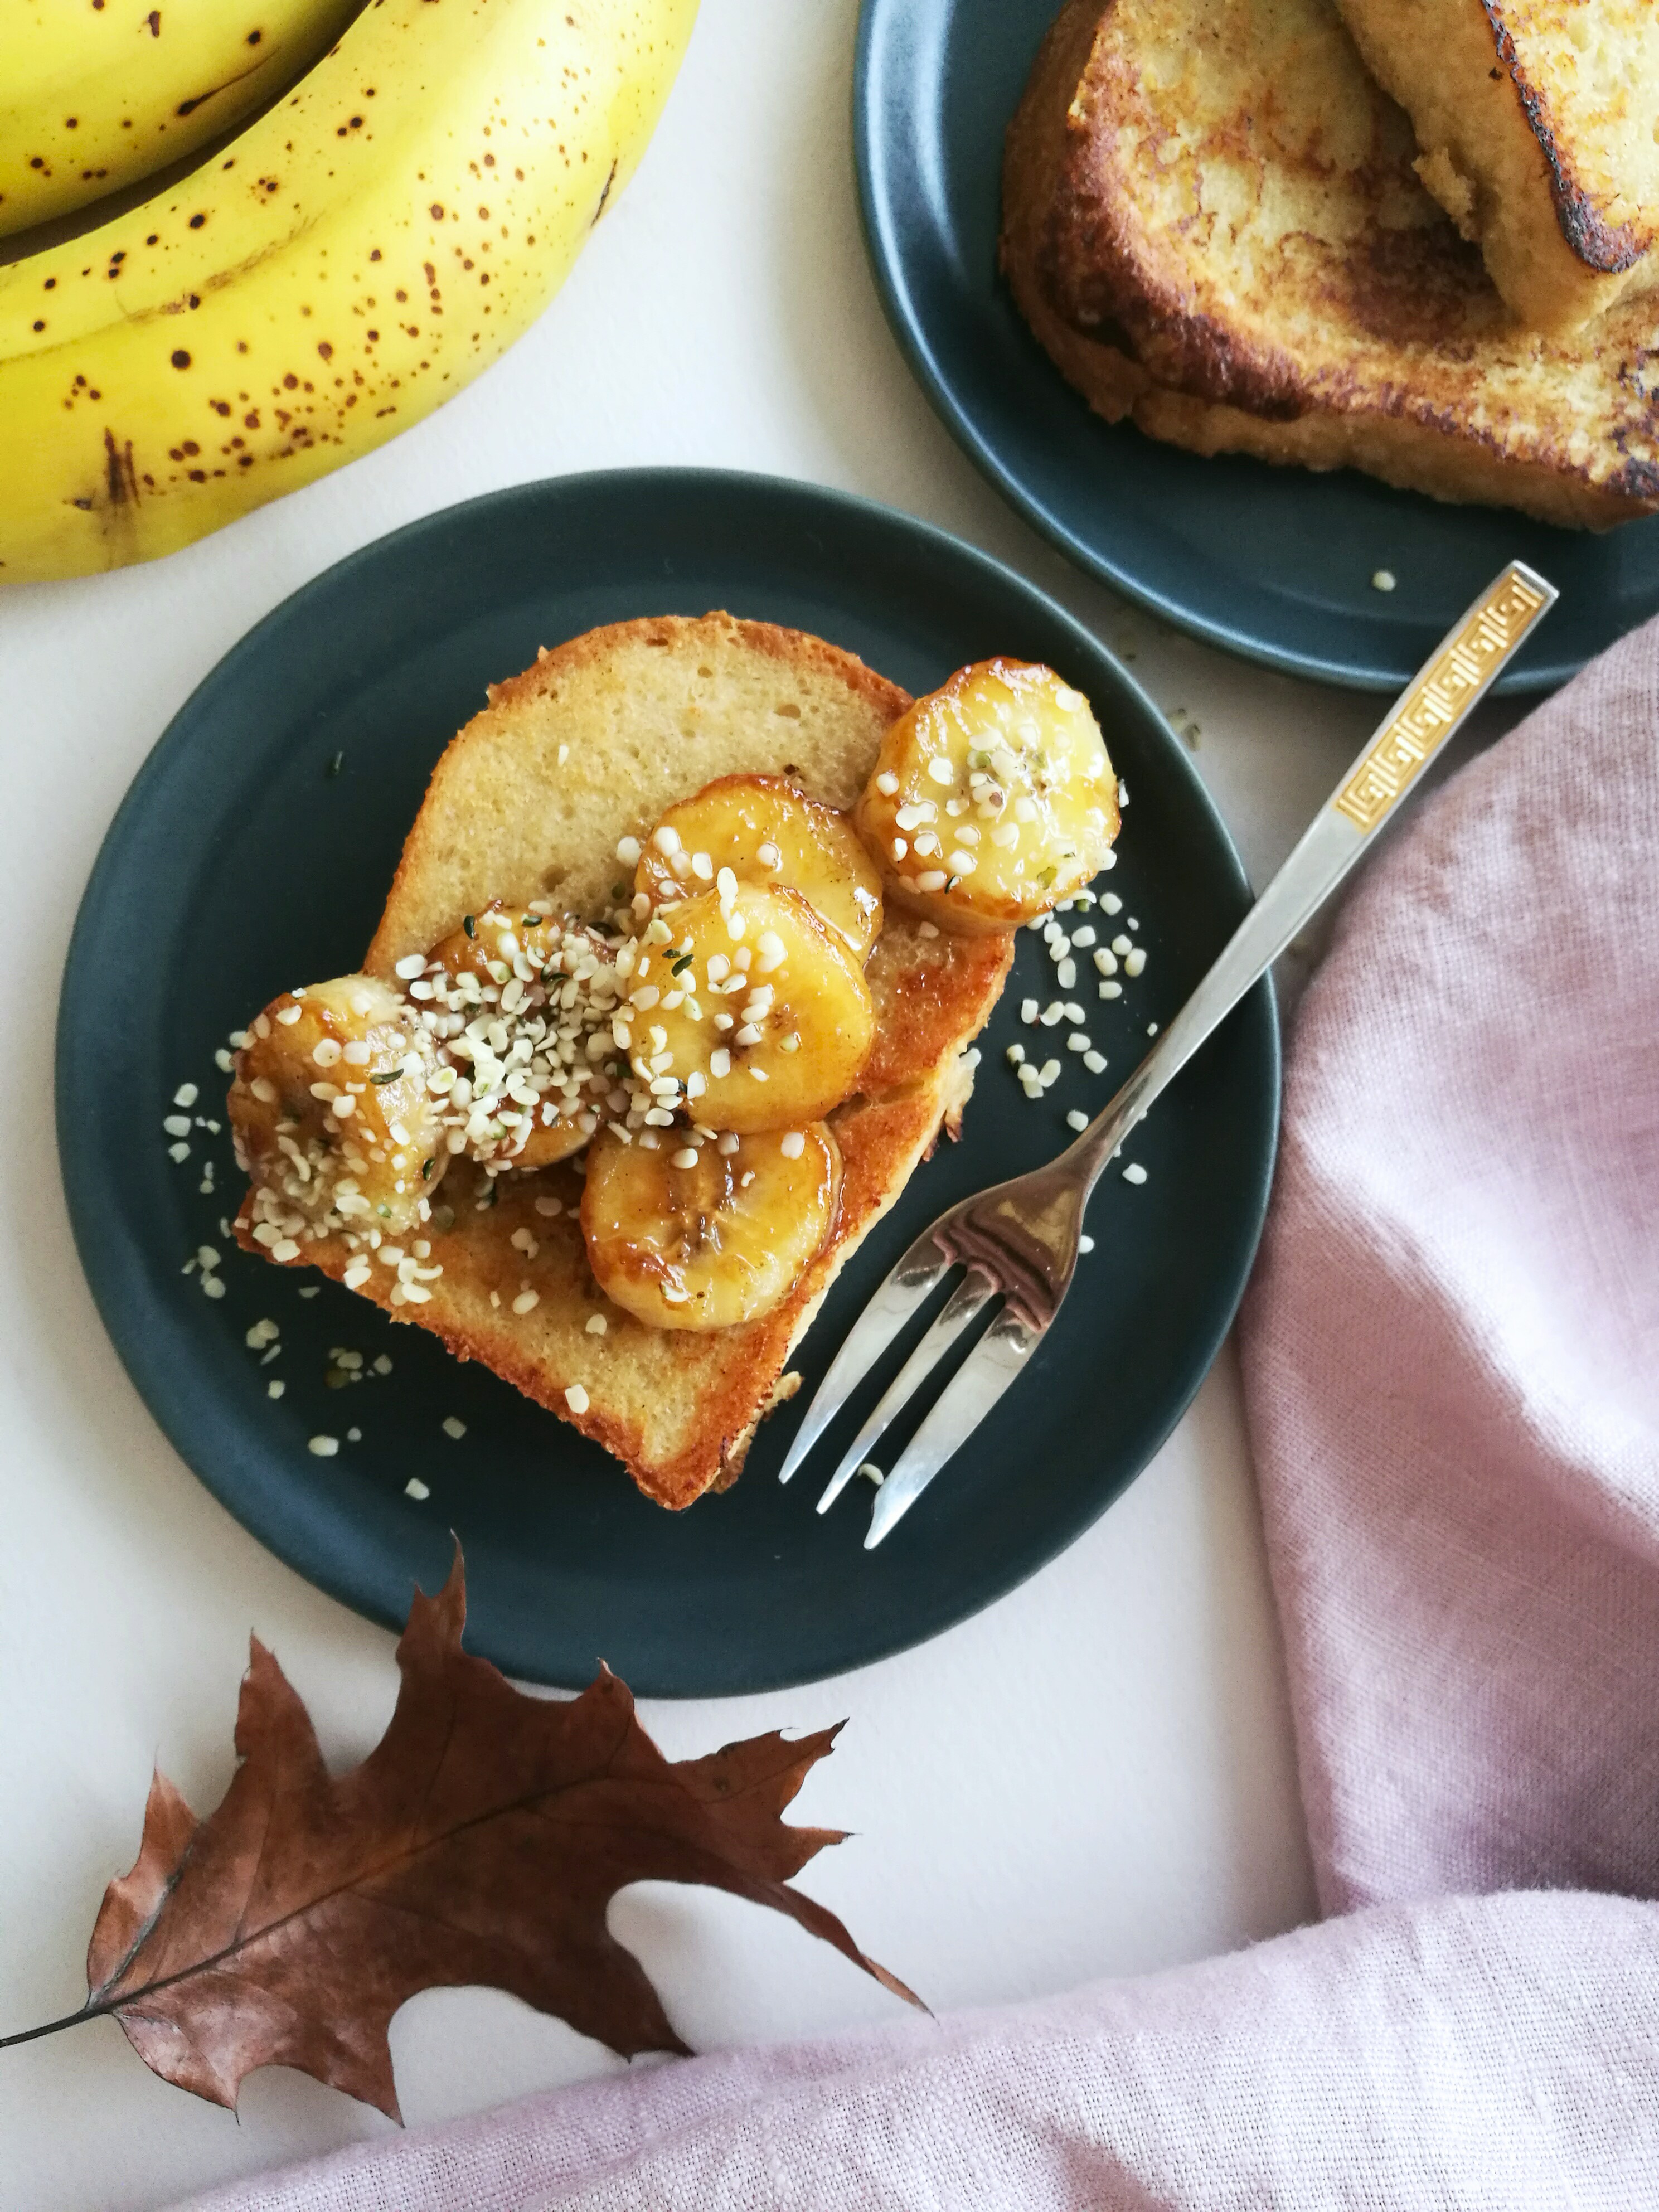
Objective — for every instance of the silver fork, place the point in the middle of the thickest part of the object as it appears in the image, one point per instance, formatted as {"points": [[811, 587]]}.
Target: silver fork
{"points": [[1018, 1241]]}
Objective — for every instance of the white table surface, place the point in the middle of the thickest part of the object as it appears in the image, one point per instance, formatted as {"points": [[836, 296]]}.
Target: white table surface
{"points": [[1096, 1776]]}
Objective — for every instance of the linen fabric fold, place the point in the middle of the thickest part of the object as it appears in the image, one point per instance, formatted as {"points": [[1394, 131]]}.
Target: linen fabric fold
{"points": [[1478, 2052], [1451, 1343]]}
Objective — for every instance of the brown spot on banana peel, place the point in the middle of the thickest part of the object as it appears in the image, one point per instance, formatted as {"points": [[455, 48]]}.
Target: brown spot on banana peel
{"points": [[200, 100], [120, 478], [604, 195], [114, 506]]}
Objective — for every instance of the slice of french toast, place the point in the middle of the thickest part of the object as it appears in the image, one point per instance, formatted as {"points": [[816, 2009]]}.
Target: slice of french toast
{"points": [[529, 802], [1535, 119], [1213, 224]]}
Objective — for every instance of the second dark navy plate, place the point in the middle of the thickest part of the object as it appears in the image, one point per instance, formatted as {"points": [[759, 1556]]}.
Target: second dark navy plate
{"points": [[1274, 564]]}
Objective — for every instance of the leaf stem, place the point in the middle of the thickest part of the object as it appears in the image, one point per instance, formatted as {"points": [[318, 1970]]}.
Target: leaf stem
{"points": [[51, 2026]]}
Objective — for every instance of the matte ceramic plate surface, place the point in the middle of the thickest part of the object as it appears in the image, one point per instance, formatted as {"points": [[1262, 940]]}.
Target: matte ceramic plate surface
{"points": [[254, 850], [1273, 564]]}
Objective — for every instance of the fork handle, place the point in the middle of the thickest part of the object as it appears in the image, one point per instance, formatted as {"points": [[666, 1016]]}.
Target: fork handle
{"points": [[1455, 677]]}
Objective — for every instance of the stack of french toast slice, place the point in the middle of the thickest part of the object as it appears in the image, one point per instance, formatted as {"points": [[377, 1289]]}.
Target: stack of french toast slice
{"points": [[1414, 237]]}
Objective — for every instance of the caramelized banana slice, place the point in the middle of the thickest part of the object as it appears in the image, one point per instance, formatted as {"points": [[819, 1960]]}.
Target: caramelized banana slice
{"points": [[331, 1116], [755, 1016], [704, 1235], [993, 798], [768, 833], [499, 946]]}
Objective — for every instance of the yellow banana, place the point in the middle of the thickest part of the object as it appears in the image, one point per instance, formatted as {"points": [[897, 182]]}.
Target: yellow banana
{"points": [[97, 93], [337, 272]]}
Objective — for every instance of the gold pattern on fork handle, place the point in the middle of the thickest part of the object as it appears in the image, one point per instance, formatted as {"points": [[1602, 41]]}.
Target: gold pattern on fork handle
{"points": [[1429, 711]]}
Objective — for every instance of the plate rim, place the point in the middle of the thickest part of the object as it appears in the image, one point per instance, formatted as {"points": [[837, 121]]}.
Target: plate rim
{"points": [[103, 1257], [878, 224]]}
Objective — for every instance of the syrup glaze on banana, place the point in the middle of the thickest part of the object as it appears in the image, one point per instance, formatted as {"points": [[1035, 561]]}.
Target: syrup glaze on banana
{"points": [[332, 1115], [694, 1045], [766, 833], [774, 1018], [705, 1236], [992, 799]]}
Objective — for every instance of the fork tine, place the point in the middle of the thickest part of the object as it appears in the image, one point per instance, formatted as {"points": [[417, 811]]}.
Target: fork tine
{"points": [[908, 1284], [986, 1372], [968, 1298]]}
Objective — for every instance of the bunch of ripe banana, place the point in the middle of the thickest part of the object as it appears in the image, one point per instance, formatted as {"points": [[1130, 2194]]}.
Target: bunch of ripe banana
{"points": [[318, 282]]}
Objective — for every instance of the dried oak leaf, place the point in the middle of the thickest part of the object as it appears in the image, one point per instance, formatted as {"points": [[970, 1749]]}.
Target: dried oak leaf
{"points": [[480, 1842]]}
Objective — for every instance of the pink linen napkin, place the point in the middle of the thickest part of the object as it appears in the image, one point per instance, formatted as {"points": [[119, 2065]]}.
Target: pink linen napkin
{"points": [[1451, 1356], [1490, 2052], [1451, 1347]]}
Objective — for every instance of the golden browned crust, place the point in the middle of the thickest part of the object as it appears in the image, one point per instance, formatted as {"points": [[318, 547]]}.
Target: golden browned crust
{"points": [[677, 1408], [1212, 224], [1535, 119], [1606, 229]]}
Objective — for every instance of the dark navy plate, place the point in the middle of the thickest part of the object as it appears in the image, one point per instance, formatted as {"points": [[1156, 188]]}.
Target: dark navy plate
{"points": [[254, 850], [1273, 564]]}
